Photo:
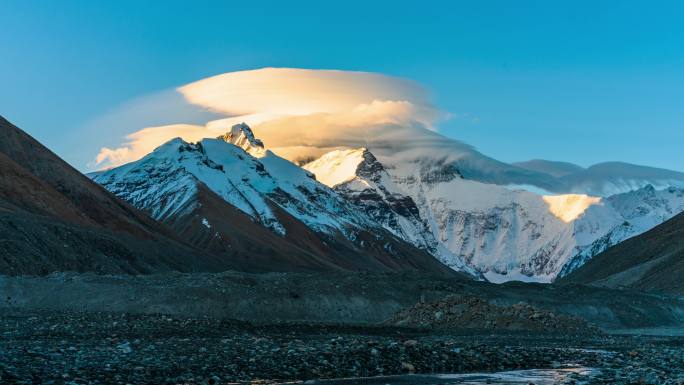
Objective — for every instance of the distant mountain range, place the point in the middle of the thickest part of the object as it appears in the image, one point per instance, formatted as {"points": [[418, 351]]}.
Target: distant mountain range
{"points": [[605, 179]]}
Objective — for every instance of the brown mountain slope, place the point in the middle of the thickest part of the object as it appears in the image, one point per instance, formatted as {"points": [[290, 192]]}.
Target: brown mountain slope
{"points": [[92, 202], [54, 218], [210, 223], [652, 261]]}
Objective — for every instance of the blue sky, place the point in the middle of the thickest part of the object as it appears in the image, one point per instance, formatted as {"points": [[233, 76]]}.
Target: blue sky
{"points": [[576, 81]]}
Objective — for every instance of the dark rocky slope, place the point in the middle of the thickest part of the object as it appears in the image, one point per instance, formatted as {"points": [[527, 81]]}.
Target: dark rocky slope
{"points": [[53, 218], [653, 261]]}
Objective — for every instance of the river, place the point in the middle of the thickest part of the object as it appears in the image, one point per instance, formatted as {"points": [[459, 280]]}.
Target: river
{"points": [[522, 377]]}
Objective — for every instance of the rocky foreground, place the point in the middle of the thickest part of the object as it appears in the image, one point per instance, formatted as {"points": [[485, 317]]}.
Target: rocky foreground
{"points": [[470, 312], [117, 348]]}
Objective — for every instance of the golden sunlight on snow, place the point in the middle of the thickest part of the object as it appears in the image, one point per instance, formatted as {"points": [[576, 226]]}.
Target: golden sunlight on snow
{"points": [[570, 206], [336, 167]]}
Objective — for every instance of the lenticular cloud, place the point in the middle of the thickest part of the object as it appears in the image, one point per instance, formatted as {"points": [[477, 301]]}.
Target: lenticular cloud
{"points": [[297, 112], [288, 91]]}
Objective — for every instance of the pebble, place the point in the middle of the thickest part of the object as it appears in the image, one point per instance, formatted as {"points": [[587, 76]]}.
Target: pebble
{"points": [[95, 348]]}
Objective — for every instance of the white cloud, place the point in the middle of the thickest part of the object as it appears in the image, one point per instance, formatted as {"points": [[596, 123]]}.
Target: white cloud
{"points": [[140, 143], [290, 91], [297, 112], [298, 137]]}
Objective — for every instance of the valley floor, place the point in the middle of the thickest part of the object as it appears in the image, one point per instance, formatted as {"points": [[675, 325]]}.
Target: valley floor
{"points": [[119, 348], [70, 328]]}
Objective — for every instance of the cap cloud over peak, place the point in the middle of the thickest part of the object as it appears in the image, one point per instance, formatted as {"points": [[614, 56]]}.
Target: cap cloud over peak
{"points": [[292, 110]]}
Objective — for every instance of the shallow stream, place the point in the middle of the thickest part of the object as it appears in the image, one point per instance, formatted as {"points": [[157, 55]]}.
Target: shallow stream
{"points": [[524, 377]]}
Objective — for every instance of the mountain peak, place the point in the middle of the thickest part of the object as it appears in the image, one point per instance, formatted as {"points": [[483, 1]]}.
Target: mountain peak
{"points": [[341, 166], [242, 136], [370, 167]]}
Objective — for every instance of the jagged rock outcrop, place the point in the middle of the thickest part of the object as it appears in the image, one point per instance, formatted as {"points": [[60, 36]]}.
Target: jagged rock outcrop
{"points": [[358, 176]]}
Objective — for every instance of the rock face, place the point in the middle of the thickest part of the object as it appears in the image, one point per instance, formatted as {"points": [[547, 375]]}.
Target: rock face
{"points": [[52, 218], [242, 136], [653, 260], [220, 197], [362, 180]]}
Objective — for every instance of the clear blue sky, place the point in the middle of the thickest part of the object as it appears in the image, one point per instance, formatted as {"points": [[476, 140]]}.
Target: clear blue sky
{"points": [[579, 81]]}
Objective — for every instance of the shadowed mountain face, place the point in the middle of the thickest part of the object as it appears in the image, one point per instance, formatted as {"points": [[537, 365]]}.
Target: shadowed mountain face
{"points": [[651, 261], [53, 218]]}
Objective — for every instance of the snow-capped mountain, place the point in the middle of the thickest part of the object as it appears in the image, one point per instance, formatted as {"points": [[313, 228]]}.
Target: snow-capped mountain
{"points": [[504, 233], [164, 179], [514, 222], [359, 177], [178, 178]]}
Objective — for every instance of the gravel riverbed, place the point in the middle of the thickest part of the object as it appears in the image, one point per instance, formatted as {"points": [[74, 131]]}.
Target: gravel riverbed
{"points": [[39, 347]]}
